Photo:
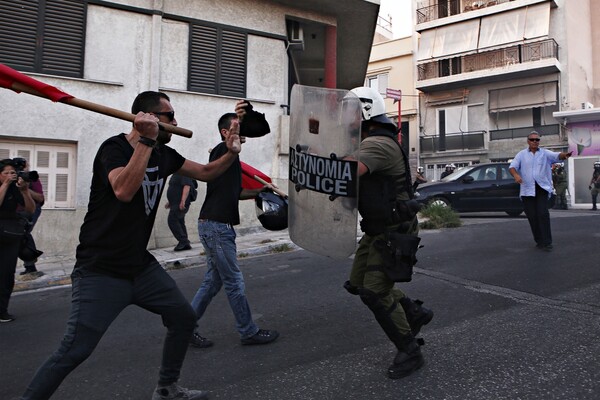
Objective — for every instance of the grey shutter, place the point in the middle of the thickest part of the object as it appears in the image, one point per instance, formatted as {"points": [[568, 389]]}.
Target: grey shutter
{"points": [[233, 64], [203, 60], [19, 21], [64, 37]]}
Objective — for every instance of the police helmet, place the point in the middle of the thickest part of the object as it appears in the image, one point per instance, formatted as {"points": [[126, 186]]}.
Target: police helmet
{"points": [[597, 164], [372, 105], [272, 211]]}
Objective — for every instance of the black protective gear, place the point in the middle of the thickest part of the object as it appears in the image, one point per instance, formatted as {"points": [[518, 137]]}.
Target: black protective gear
{"points": [[408, 359], [416, 314], [272, 210], [253, 124], [351, 288], [382, 314]]}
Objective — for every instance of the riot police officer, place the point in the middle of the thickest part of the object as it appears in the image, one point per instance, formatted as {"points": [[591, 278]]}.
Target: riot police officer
{"points": [[384, 192], [559, 179], [449, 169]]}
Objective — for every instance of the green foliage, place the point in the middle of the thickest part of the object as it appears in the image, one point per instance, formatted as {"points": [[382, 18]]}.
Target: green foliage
{"points": [[438, 216]]}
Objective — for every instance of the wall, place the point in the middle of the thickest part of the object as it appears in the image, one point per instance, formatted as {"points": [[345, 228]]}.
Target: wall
{"points": [[128, 52]]}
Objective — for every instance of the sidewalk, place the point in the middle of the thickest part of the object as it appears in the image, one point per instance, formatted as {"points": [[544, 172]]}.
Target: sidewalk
{"points": [[254, 242]]}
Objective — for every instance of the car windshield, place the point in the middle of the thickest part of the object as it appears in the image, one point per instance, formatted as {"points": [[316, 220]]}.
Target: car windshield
{"points": [[458, 173]]}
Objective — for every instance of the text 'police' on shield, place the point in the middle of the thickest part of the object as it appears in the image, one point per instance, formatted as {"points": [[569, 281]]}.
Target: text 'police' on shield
{"points": [[325, 175]]}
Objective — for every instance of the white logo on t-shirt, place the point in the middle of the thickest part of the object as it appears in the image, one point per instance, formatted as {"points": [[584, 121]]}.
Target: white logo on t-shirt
{"points": [[152, 187]]}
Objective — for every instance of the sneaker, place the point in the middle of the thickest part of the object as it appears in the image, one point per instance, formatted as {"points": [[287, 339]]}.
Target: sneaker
{"points": [[174, 391], [6, 317], [29, 270], [199, 341], [263, 336]]}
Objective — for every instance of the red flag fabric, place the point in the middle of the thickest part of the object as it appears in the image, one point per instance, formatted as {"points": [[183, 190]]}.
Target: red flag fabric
{"points": [[8, 76], [248, 181]]}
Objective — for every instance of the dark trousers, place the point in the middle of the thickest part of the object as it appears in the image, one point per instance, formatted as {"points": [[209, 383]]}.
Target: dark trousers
{"points": [[95, 303], [536, 209], [176, 222], [9, 250]]}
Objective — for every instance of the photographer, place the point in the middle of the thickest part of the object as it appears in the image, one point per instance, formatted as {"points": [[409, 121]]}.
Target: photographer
{"points": [[37, 193], [14, 191]]}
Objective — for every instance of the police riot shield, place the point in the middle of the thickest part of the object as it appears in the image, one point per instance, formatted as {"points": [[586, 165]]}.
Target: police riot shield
{"points": [[323, 185]]}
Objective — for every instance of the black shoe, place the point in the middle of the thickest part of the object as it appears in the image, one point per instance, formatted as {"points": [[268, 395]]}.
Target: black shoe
{"points": [[408, 360], [181, 247], [6, 317], [199, 341], [416, 314], [263, 336], [29, 270], [545, 247]]}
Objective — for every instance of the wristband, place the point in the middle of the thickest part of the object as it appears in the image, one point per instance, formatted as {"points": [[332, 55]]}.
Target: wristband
{"points": [[147, 141]]}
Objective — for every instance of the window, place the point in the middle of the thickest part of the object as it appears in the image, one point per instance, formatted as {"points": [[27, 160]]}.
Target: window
{"points": [[218, 59], [45, 36], [54, 163], [378, 82]]}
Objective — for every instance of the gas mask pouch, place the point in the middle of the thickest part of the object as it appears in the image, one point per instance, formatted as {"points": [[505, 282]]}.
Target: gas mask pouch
{"points": [[399, 255]]}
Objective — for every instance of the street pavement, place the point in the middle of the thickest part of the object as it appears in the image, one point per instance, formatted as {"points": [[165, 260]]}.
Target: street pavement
{"points": [[511, 322]]}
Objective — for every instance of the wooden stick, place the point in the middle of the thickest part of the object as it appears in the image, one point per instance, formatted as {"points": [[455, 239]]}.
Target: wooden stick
{"points": [[98, 108], [275, 188]]}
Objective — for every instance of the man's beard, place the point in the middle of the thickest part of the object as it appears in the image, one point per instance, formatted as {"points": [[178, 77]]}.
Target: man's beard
{"points": [[163, 137]]}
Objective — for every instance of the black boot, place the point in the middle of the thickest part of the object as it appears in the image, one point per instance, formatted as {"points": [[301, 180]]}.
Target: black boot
{"points": [[408, 359], [416, 314]]}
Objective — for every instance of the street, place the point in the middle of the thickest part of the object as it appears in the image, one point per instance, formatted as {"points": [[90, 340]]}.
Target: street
{"points": [[511, 322]]}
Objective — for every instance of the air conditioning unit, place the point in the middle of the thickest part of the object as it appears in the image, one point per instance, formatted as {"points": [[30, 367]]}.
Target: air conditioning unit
{"points": [[586, 105]]}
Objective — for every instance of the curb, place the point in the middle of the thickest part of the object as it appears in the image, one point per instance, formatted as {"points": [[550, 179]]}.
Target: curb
{"points": [[62, 276]]}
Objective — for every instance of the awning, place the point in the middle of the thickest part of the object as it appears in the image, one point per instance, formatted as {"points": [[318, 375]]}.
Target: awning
{"points": [[523, 97], [447, 97], [449, 41], [515, 26]]}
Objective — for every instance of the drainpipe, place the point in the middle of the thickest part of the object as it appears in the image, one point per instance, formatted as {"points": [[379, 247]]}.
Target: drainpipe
{"points": [[330, 57]]}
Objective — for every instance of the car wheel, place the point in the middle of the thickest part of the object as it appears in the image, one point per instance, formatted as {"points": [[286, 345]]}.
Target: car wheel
{"points": [[439, 201], [514, 213]]}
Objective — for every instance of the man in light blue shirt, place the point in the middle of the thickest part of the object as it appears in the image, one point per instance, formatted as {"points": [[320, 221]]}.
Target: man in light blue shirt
{"points": [[532, 169]]}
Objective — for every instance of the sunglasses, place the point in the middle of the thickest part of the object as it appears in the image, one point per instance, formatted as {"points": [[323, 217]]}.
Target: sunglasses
{"points": [[169, 114], [534, 140]]}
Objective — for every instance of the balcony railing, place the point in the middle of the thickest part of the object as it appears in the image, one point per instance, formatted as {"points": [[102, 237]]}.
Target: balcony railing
{"points": [[487, 59], [516, 133], [474, 140], [445, 8]]}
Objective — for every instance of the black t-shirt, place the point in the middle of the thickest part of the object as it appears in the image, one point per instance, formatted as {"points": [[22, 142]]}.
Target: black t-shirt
{"points": [[12, 199], [115, 234], [223, 193]]}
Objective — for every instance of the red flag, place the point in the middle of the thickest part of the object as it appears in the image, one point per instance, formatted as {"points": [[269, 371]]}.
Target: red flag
{"points": [[248, 173], [8, 76]]}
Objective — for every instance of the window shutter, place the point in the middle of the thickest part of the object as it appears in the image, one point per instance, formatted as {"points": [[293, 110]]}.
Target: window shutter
{"points": [[203, 60], [18, 19], [64, 37], [233, 64]]}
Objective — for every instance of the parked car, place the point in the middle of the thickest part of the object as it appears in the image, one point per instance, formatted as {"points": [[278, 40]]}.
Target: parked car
{"points": [[479, 187]]}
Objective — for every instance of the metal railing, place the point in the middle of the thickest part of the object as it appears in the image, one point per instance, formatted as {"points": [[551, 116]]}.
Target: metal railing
{"points": [[474, 140], [515, 133], [488, 59], [446, 8]]}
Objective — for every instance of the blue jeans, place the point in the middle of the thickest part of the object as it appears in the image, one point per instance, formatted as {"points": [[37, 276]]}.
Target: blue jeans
{"points": [[218, 240], [96, 301]]}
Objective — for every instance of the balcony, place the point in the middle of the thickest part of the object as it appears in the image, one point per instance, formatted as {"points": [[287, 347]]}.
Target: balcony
{"points": [[460, 141], [453, 7], [489, 65], [518, 133]]}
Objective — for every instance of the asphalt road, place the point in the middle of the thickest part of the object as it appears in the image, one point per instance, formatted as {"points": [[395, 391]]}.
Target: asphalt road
{"points": [[511, 322]]}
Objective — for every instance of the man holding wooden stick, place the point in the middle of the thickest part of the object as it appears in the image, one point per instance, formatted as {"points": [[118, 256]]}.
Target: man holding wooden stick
{"points": [[113, 268]]}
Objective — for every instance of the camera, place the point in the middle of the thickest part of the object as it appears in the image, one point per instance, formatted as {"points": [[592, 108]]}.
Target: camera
{"points": [[28, 176]]}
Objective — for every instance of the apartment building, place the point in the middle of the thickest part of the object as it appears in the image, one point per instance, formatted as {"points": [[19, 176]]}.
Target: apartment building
{"points": [[204, 54], [490, 72], [392, 67]]}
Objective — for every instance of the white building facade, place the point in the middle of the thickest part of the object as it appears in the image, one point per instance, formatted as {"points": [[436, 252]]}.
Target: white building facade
{"points": [[205, 55]]}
